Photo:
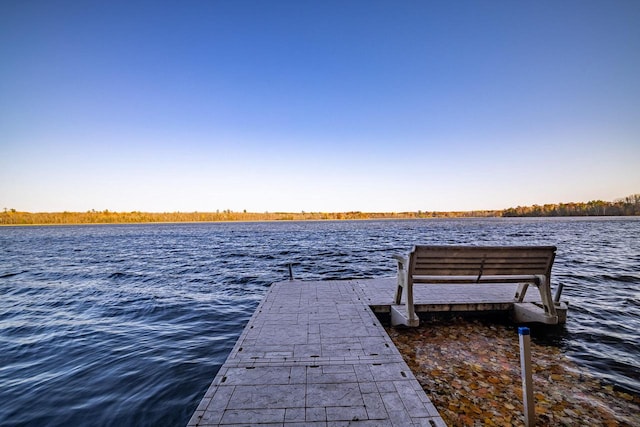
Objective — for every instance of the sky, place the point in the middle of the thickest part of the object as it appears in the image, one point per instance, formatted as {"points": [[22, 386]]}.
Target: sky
{"points": [[317, 106]]}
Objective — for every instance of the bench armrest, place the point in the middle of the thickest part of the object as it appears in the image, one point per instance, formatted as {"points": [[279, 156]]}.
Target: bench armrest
{"points": [[403, 267], [402, 259]]}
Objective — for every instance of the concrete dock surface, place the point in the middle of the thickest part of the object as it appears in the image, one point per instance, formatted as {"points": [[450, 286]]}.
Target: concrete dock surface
{"points": [[315, 354]]}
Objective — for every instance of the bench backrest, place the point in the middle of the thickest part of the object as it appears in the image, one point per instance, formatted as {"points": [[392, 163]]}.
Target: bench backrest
{"points": [[481, 260]]}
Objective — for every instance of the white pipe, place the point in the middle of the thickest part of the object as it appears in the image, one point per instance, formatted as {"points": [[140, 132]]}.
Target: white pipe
{"points": [[527, 378]]}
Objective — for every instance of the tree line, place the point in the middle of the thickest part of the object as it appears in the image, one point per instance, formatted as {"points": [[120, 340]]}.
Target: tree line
{"points": [[13, 217], [628, 206]]}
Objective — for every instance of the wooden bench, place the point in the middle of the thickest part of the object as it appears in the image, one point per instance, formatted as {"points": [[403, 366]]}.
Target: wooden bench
{"points": [[524, 265]]}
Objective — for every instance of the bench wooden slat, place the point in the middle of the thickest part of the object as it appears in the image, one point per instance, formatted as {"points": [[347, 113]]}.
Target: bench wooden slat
{"points": [[469, 260], [496, 278], [461, 270]]}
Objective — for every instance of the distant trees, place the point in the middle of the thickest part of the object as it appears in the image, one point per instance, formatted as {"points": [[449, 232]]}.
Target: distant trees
{"points": [[12, 217], [628, 206]]}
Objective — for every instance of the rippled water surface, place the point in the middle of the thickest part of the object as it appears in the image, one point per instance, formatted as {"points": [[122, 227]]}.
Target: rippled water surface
{"points": [[128, 324]]}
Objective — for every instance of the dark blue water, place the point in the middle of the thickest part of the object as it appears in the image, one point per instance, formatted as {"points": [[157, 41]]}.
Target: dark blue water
{"points": [[128, 324]]}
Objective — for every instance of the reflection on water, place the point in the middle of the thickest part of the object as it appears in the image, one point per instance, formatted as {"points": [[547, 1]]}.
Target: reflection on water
{"points": [[128, 324]]}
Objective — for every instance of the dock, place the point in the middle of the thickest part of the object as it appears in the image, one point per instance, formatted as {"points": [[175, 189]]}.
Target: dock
{"points": [[315, 354]]}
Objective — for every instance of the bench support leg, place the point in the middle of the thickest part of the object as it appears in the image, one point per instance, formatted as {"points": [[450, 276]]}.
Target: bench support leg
{"points": [[399, 317], [402, 281], [408, 316], [411, 314], [547, 301], [529, 312], [522, 290]]}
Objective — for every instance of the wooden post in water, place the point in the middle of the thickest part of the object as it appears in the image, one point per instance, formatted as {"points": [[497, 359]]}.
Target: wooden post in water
{"points": [[527, 378]]}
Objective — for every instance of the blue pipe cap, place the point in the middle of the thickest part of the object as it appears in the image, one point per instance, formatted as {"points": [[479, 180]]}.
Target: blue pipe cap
{"points": [[523, 330]]}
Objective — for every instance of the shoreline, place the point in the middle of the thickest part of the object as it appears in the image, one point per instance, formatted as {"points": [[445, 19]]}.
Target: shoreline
{"points": [[43, 219], [629, 206], [249, 221]]}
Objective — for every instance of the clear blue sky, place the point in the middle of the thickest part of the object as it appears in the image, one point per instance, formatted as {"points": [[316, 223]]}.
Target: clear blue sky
{"points": [[317, 105]]}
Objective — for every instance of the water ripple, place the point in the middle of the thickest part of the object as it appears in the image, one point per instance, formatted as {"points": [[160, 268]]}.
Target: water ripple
{"points": [[128, 324]]}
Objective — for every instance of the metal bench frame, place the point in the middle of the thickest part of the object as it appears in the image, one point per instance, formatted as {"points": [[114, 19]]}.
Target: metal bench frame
{"points": [[524, 265]]}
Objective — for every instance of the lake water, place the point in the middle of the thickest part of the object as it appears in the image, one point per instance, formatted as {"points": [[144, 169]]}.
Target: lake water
{"points": [[128, 324]]}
